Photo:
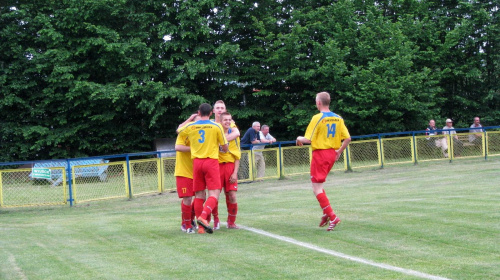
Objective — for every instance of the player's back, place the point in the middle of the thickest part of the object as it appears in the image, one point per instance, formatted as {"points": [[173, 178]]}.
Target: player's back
{"points": [[204, 137], [326, 131]]}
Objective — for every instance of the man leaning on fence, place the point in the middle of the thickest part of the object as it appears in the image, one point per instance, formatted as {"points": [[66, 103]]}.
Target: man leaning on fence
{"points": [[265, 137], [252, 136]]}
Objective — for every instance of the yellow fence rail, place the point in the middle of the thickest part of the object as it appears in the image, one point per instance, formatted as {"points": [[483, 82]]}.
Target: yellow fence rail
{"points": [[155, 174]]}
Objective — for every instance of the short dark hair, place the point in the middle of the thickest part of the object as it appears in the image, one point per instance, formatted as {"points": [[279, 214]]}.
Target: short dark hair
{"points": [[224, 114], [205, 109]]}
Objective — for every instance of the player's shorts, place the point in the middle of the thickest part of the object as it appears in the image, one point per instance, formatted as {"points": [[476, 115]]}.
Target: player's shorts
{"points": [[184, 186], [321, 164], [226, 170], [206, 174]]}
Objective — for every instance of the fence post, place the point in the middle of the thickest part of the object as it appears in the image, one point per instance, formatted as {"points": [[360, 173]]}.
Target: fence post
{"points": [[1, 187], [160, 173], [485, 145], [380, 152], [347, 159], [414, 148], [451, 152], [282, 175], [128, 177], [70, 183]]}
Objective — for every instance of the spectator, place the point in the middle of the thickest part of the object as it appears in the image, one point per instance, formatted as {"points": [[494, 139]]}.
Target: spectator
{"points": [[434, 141], [252, 136], [431, 131], [477, 137], [265, 137], [448, 129]]}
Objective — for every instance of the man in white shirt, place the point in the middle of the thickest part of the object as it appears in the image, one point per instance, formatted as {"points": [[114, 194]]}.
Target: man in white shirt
{"points": [[265, 137]]}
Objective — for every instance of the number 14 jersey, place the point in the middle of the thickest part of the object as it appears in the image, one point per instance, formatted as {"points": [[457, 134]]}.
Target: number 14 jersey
{"points": [[326, 131]]}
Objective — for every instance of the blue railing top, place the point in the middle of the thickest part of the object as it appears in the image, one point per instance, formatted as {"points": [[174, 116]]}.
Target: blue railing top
{"points": [[159, 153]]}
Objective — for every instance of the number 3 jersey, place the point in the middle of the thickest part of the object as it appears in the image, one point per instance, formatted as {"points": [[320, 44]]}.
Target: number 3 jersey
{"points": [[326, 131], [204, 137]]}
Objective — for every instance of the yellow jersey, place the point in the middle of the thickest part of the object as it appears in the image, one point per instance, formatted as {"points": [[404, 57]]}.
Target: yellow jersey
{"points": [[183, 160], [326, 131], [233, 152], [204, 137]]}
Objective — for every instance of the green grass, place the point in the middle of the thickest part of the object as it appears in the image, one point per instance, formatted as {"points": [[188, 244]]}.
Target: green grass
{"points": [[436, 218]]}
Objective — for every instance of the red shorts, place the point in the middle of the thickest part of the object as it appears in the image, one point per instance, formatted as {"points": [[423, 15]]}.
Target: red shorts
{"points": [[226, 170], [321, 164], [184, 186], [206, 174]]}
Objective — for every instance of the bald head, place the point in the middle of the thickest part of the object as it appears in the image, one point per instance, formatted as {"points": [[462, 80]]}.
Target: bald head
{"points": [[323, 98]]}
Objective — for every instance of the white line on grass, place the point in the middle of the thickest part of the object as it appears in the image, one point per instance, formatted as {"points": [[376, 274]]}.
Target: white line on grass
{"points": [[344, 256]]}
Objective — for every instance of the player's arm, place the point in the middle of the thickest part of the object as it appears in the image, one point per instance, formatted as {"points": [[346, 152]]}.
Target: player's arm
{"points": [[272, 139], [234, 176], [301, 140], [182, 148], [190, 119], [263, 139], [224, 148], [345, 143], [235, 133]]}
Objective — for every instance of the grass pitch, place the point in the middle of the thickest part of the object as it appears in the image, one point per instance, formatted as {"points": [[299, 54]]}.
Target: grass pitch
{"points": [[439, 219]]}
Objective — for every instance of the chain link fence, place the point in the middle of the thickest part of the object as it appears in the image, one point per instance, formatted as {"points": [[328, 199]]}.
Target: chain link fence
{"points": [[397, 150], [493, 143], [101, 179], [115, 185], [364, 153], [295, 160], [145, 176], [429, 148], [245, 171], [18, 187], [168, 174]]}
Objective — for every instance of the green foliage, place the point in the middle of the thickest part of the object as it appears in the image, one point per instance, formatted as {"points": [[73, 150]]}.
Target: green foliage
{"points": [[97, 77]]}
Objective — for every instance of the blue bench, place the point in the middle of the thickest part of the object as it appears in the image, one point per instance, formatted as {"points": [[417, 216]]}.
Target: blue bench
{"points": [[87, 171]]}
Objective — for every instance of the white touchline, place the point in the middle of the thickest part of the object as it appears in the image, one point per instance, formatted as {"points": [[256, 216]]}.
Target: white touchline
{"points": [[344, 256]]}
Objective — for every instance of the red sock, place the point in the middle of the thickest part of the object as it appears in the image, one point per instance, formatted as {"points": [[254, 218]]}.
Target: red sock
{"points": [[209, 206], [232, 211], [324, 203], [186, 215], [193, 215], [198, 206], [215, 211]]}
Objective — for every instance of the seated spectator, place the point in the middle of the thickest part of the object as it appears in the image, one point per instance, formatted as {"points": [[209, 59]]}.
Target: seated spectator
{"points": [[477, 137], [434, 141], [448, 129], [431, 131]]}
